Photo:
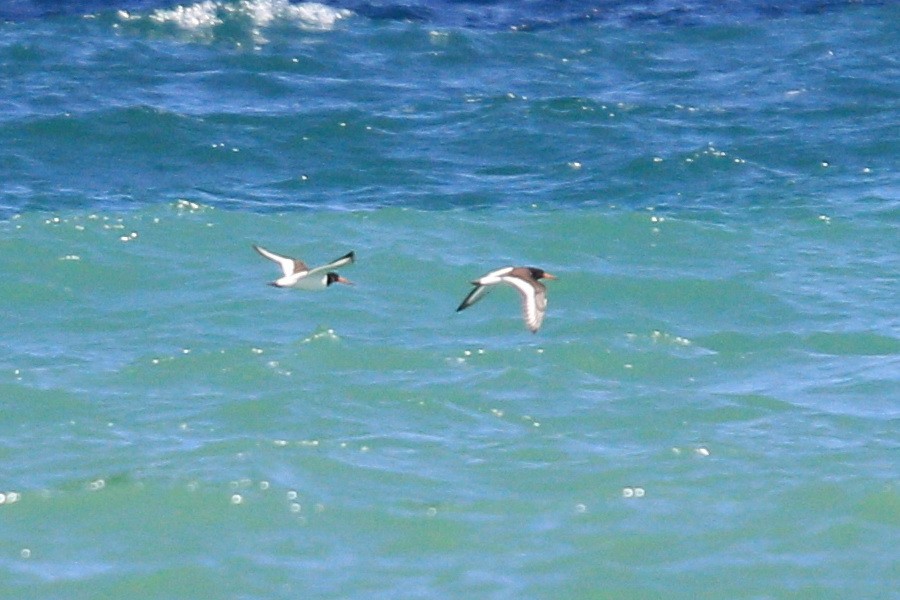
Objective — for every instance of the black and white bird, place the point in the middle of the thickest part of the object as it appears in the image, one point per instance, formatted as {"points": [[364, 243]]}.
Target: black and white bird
{"points": [[525, 280], [298, 275]]}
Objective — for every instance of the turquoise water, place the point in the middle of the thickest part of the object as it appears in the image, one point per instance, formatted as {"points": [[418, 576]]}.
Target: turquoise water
{"points": [[710, 409]]}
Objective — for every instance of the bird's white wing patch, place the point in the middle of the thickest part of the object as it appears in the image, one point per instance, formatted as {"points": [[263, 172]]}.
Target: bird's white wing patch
{"points": [[340, 262], [534, 301], [494, 277], [288, 265]]}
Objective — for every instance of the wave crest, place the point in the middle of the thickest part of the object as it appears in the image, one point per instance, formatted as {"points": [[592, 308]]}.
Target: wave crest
{"points": [[209, 14]]}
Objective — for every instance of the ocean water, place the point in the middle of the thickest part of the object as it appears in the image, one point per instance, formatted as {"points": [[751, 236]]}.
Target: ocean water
{"points": [[710, 409]]}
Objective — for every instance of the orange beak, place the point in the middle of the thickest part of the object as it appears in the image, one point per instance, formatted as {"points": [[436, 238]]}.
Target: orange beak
{"points": [[549, 276], [344, 281]]}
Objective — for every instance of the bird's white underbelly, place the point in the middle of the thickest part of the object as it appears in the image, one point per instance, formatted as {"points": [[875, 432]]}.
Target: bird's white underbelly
{"points": [[314, 283]]}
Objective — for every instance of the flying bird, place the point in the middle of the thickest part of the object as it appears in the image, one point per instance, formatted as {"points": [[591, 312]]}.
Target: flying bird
{"points": [[525, 280], [298, 275]]}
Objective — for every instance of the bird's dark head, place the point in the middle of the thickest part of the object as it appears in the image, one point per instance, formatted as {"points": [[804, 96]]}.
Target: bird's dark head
{"points": [[333, 277], [540, 273]]}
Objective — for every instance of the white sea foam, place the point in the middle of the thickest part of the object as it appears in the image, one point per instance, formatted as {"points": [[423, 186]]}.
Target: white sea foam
{"points": [[208, 14], [308, 14], [203, 15]]}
